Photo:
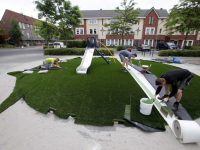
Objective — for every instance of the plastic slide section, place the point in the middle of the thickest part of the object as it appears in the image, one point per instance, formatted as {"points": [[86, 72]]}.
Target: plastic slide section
{"points": [[86, 61]]}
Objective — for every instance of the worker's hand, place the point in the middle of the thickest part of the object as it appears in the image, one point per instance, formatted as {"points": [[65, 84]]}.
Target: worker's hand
{"points": [[165, 100], [153, 98]]}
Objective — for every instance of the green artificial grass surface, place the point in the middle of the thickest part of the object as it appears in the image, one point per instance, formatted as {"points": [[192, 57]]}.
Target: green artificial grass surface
{"points": [[96, 98], [190, 98]]}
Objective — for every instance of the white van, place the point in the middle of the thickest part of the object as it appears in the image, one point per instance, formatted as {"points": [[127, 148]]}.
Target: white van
{"points": [[59, 45]]}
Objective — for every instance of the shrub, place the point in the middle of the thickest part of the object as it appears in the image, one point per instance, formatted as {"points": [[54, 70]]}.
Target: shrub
{"points": [[185, 53], [121, 47], [75, 51], [7, 46], [195, 48], [50, 46], [75, 43]]}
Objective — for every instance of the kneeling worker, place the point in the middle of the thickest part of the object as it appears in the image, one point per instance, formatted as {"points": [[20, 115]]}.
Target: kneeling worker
{"points": [[122, 55], [49, 62], [171, 78]]}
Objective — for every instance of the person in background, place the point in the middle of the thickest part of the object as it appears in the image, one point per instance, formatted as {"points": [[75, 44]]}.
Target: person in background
{"points": [[122, 55], [49, 63]]}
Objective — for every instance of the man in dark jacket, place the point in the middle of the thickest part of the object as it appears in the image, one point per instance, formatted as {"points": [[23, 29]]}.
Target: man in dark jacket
{"points": [[172, 77]]}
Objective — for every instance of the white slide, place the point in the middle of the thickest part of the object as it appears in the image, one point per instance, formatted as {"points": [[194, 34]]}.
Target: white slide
{"points": [[86, 61]]}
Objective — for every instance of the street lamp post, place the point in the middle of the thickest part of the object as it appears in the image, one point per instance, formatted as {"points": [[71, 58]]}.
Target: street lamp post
{"points": [[157, 32]]}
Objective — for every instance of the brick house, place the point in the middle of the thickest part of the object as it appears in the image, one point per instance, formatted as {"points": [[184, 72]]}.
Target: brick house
{"points": [[150, 29], [26, 25]]}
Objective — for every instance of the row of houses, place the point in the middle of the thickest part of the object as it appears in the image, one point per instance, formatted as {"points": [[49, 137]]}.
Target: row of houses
{"points": [[149, 30], [26, 26]]}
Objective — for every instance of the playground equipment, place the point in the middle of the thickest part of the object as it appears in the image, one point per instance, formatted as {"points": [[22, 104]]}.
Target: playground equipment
{"points": [[87, 58]]}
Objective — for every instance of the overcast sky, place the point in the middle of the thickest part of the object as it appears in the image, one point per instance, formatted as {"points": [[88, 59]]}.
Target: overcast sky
{"points": [[28, 7]]}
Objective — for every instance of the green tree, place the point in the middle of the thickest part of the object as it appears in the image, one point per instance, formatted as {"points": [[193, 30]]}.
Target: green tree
{"points": [[14, 32], [122, 24], [61, 13], [45, 30], [2, 30], [184, 17]]}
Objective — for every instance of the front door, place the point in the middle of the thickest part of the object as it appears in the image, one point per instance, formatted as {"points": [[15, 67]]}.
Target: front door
{"points": [[102, 41]]}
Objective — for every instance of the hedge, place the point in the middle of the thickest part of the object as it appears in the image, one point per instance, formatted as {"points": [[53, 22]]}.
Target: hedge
{"points": [[75, 51], [50, 46], [121, 47], [75, 43], [7, 46], [195, 48], [185, 53]]}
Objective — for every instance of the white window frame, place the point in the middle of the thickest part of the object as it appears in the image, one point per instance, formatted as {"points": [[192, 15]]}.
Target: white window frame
{"points": [[82, 21], [151, 20], [187, 42], [93, 21], [116, 42], [190, 33], [79, 29], [150, 30], [108, 31], [112, 20], [31, 26], [27, 25], [20, 25], [148, 42], [177, 32], [23, 32], [28, 36], [23, 25], [93, 30], [128, 42]]}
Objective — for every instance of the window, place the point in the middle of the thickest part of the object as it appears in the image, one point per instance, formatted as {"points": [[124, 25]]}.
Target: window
{"points": [[20, 25], [149, 30], [82, 21], [28, 35], [27, 25], [108, 42], [177, 32], [193, 32], [108, 31], [116, 42], [188, 43], [23, 26], [93, 21], [112, 42], [160, 30], [131, 31], [31, 26], [79, 31], [112, 20], [151, 20], [93, 31], [23, 32], [148, 42], [127, 42]]}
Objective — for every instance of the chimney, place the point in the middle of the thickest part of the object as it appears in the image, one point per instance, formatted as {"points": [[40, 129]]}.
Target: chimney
{"points": [[161, 8], [101, 9]]}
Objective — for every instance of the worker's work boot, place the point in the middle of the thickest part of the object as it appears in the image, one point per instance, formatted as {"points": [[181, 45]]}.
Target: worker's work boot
{"points": [[174, 107], [161, 98], [124, 70]]}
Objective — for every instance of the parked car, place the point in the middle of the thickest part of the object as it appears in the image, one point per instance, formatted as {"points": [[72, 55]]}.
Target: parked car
{"points": [[144, 47], [59, 45], [166, 45]]}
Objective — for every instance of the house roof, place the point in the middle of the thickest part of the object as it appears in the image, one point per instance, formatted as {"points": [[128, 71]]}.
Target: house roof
{"points": [[162, 13], [20, 17]]}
